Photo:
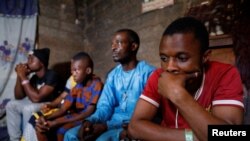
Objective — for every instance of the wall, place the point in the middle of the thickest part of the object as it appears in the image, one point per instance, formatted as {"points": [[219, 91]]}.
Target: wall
{"points": [[99, 19], [103, 19], [58, 31]]}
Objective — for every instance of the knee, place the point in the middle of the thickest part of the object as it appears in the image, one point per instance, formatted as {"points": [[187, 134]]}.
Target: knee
{"points": [[28, 109]]}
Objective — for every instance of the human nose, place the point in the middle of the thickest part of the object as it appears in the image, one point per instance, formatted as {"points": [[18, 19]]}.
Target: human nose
{"points": [[172, 66], [113, 45], [73, 72]]}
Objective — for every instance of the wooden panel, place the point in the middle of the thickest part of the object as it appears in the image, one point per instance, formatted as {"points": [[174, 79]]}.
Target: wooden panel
{"points": [[220, 40], [148, 5]]}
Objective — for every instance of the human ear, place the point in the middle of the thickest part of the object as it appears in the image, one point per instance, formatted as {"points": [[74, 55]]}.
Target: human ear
{"points": [[134, 46], [205, 57], [88, 70]]}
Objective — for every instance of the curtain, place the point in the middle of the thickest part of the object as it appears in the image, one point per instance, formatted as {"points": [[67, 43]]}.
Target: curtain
{"points": [[18, 23]]}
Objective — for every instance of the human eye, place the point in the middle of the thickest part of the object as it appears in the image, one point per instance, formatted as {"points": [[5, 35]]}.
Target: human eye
{"points": [[182, 57], [31, 58], [164, 58], [119, 42]]}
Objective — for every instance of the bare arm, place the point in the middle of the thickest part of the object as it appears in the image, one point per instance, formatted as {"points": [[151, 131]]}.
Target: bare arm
{"points": [[191, 110], [81, 116], [197, 117], [141, 127], [37, 95], [63, 109], [21, 71], [231, 115], [76, 117], [34, 95], [58, 100], [55, 103], [19, 91]]}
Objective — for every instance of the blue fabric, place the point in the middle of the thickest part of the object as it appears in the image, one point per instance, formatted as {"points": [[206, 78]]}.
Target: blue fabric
{"points": [[110, 135], [71, 134], [18, 7], [120, 95]]}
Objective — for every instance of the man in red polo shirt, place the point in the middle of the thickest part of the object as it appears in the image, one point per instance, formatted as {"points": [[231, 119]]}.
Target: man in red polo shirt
{"points": [[191, 91]]}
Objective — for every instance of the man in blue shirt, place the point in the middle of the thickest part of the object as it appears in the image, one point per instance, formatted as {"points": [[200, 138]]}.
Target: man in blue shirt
{"points": [[121, 91]]}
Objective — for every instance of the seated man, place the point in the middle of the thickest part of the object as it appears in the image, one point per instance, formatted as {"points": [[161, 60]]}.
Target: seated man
{"points": [[120, 93], [78, 104], [191, 91], [30, 93], [29, 133]]}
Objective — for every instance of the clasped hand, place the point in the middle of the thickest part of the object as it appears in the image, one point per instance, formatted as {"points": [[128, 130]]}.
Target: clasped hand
{"points": [[172, 86], [43, 125], [89, 131], [22, 70]]}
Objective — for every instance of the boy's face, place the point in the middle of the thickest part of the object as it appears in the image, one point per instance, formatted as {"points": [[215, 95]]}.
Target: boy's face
{"points": [[180, 53], [79, 70], [120, 47]]}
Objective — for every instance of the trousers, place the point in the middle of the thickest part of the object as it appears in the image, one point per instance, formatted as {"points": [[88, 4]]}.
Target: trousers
{"points": [[18, 113]]}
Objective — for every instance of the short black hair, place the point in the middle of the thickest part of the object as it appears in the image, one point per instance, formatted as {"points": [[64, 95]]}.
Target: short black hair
{"points": [[190, 25], [132, 35], [84, 55]]}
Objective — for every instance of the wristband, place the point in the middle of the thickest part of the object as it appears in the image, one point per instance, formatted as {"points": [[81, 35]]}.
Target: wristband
{"points": [[188, 135], [25, 82]]}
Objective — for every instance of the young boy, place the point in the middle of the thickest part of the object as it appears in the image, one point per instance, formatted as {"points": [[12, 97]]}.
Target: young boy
{"points": [[78, 105], [47, 109]]}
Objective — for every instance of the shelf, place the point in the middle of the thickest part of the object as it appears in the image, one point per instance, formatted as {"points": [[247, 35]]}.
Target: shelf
{"points": [[155, 4], [220, 40]]}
